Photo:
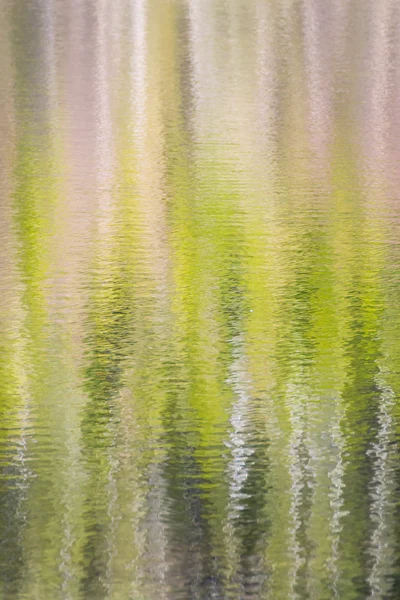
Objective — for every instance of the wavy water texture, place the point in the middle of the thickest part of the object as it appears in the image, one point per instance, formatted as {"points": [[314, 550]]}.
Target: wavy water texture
{"points": [[199, 300]]}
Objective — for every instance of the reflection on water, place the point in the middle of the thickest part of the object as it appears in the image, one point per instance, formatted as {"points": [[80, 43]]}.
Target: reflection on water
{"points": [[199, 307]]}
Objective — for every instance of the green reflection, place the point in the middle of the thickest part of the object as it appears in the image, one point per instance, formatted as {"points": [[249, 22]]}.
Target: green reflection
{"points": [[199, 303]]}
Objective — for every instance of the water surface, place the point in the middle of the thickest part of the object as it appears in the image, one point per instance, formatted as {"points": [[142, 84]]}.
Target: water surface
{"points": [[199, 300]]}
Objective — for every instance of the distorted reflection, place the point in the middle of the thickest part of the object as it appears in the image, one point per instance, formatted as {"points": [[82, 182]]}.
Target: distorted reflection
{"points": [[199, 307]]}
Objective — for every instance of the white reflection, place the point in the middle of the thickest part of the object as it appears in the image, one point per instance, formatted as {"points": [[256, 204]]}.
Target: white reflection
{"points": [[383, 495]]}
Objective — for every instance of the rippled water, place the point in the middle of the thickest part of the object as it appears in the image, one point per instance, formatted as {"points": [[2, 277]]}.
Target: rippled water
{"points": [[199, 299]]}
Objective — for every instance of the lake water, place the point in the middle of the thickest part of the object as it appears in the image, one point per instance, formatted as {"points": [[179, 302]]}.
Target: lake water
{"points": [[200, 300]]}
